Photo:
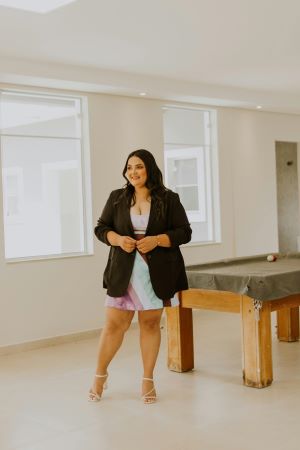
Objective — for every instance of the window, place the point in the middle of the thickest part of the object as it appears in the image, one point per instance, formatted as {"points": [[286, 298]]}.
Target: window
{"points": [[191, 167], [44, 175]]}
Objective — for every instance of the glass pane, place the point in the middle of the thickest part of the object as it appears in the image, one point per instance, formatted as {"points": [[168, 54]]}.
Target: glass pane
{"points": [[13, 205], [186, 126], [33, 115], [182, 171], [42, 192], [189, 197], [200, 232]]}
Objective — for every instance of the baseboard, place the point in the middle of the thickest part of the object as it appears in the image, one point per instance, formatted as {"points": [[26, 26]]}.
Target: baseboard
{"points": [[49, 342]]}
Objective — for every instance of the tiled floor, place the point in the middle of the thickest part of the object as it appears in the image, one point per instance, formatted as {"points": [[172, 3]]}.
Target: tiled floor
{"points": [[44, 398]]}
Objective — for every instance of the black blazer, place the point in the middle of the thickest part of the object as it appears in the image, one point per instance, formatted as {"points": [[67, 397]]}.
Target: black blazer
{"points": [[166, 265]]}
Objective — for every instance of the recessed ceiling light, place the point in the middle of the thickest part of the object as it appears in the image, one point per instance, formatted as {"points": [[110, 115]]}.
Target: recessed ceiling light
{"points": [[259, 107], [143, 94], [38, 6]]}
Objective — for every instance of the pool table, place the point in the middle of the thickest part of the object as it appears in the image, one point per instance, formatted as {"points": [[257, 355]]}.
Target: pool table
{"points": [[252, 287]]}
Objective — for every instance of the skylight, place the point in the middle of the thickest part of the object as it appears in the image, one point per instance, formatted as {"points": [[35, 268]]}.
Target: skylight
{"points": [[38, 6]]}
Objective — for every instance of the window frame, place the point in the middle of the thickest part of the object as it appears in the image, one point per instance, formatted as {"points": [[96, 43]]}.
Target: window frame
{"points": [[211, 169], [191, 153], [85, 160]]}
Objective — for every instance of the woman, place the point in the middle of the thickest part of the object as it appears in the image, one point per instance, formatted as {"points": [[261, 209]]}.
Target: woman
{"points": [[144, 223]]}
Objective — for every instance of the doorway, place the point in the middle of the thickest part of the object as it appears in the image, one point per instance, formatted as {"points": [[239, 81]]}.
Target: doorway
{"points": [[287, 196]]}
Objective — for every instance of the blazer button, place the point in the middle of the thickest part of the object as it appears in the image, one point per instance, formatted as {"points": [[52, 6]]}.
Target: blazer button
{"points": [[149, 256]]}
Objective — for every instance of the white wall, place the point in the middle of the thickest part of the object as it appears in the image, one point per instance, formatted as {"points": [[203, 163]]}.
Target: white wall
{"points": [[298, 169], [40, 299], [254, 182]]}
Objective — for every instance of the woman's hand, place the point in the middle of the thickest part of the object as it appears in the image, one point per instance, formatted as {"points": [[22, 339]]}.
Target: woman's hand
{"points": [[146, 244], [127, 243]]}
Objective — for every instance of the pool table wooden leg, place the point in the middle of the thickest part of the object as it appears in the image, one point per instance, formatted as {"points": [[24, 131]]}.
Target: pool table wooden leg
{"points": [[288, 324], [256, 343], [180, 339]]}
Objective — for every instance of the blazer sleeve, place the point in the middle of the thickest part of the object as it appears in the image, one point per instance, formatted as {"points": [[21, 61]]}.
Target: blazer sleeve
{"points": [[105, 222], [179, 230]]}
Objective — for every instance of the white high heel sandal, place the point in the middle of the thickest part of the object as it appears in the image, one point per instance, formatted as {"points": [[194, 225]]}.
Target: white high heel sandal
{"points": [[94, 396], [147, 398]]}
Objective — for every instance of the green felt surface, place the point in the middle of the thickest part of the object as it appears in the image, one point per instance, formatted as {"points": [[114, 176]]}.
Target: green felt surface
{"points": [[253, 276]]}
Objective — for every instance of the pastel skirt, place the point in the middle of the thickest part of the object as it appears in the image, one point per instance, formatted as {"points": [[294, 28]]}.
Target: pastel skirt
{"points": [[140, 294]]}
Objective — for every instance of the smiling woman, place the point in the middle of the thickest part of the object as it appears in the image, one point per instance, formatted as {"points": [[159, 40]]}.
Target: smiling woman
{"points": [[144, 223], [136, 172]]}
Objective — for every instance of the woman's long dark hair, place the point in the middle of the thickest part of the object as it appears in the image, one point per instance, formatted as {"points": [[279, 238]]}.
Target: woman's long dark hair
{"points": [[154, 181]]}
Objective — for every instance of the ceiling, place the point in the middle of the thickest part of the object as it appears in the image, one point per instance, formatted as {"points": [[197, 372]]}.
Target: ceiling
{"points": [[239, 53]]}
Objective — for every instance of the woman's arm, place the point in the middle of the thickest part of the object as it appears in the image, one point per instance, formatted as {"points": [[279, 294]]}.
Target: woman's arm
{"points": [[179, 229], [105, 221], [163, 240], [127, 243], [105, 227], [149, 243]]}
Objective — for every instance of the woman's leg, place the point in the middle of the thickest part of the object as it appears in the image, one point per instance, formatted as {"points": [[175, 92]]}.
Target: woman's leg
{"points": [[149, 321], [117, 322]]}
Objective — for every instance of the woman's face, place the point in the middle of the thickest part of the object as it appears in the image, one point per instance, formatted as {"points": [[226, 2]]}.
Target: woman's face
{"points": [[136, 172]]}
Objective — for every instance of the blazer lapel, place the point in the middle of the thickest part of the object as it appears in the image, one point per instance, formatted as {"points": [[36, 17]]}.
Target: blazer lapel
{"points": [[127, 218], [151, 218]]}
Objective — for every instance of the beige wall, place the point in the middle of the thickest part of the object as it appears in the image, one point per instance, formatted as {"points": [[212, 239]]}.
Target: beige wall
{"points": [[254, 182], [40, 299]]}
